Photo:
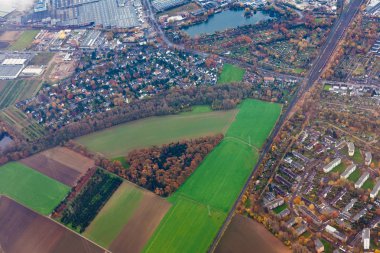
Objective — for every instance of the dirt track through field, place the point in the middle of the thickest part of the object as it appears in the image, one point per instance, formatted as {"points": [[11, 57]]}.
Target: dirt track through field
{"points": [[245, 235], [141, 225], [61, 164], [24, 231]]}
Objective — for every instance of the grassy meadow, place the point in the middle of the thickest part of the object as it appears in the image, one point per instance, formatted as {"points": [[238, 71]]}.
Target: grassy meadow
{"points": [[231, 73], [24, 41], [119, 140]]}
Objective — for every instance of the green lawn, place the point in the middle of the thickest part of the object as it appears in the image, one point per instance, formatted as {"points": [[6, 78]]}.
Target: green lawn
{"points": [[369, 184], [328, 246], [187, 227], [119, 140], [340, 168], [122, 160], [230, 74], [358, 158], [354, 176], [279, 209], [327, 87], [114, 215], [24, 41], [31, 188], [215, 184]]}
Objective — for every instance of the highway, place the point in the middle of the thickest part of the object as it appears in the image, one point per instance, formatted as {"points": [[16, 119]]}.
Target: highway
{"points": [[314, 74]]}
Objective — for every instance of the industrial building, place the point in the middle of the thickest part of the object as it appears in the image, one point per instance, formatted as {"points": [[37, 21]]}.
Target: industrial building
{"points": [[361, 180], [375, 190], [349, 170], [161, 5], [329, 167], [10, 68]]}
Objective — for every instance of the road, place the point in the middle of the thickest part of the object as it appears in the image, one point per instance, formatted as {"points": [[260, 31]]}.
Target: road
{"points": [[312, 77]]}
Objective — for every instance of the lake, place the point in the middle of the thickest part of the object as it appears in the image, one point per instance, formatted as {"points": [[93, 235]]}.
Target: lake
{"points": [[225, 20]]}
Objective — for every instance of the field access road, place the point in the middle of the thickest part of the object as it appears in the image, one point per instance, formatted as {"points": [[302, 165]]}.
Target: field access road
{"points": [[314, 74]]}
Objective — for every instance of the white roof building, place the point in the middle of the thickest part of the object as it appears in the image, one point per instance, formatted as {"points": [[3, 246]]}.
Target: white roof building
{"points": [[361, 180], [348, 171], [366, 238], [351, 148], [14, 61], [375, 190], [329, 167], [368, 158]]}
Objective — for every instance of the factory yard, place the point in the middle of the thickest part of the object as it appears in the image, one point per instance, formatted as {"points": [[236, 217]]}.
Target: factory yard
{"points": [[23, 230]]}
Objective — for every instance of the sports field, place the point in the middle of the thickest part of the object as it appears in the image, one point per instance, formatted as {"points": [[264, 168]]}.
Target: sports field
{"points": [[31, 188], [24, 40], [230, 74], [119, 140], [215, 185]]}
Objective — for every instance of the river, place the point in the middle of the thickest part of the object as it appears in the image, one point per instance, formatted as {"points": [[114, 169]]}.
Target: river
{"points": [[225, 20]]}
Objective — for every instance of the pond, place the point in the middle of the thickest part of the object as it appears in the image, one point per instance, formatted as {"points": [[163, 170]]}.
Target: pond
{"points": [[5, 140], [225, 20]]}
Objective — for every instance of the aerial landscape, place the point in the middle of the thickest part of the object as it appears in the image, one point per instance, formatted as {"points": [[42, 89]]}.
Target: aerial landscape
{"points": [[189, 126]]}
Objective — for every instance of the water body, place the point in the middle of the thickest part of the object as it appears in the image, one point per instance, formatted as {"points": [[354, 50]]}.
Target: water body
{"points": [[225, 20], [5, 140]]}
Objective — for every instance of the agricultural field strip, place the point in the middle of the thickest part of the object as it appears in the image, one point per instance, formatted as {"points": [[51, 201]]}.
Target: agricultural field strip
{"points": [[119, 140], [31, 188]]}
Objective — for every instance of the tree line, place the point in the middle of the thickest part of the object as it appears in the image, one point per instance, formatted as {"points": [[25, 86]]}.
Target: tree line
{"points": [[164, 169], [171, 102]]}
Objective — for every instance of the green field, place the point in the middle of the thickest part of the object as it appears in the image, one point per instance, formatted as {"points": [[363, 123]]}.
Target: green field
{"points": [[327, 87], [328, 247], [340, 168], [279, 209], [216, 183], [31, 188], [230, 74], [354, 176], [119, 140], [187, 227], [369, 184], [24, 41], [114, 215]]}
